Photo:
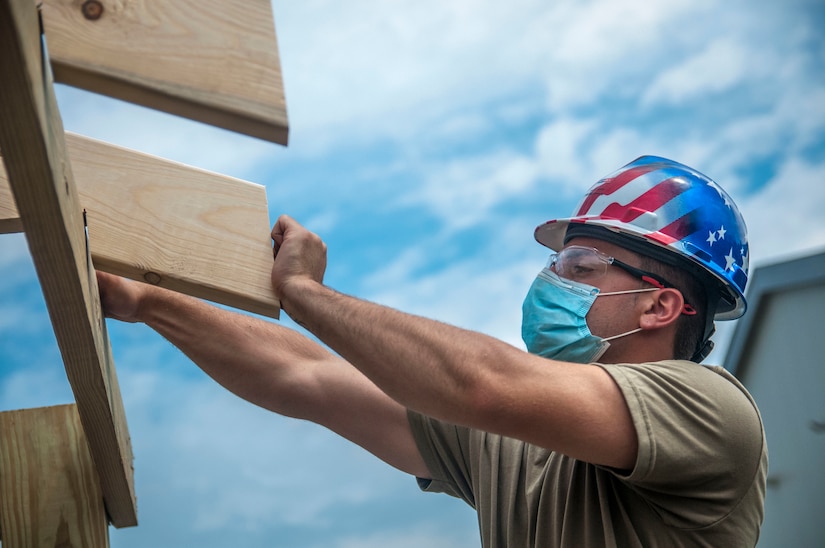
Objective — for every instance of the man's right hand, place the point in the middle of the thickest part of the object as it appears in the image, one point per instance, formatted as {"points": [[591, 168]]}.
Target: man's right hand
{"points": [[119, 297]]}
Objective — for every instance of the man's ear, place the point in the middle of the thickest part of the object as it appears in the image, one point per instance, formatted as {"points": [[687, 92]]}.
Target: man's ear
{"points": [[661, 308]]}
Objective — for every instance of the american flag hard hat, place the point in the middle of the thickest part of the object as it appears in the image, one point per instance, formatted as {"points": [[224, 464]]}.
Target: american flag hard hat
{"points": [[671, 208]]}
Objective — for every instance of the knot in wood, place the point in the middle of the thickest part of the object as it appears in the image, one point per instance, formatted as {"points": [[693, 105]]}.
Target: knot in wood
{"points": [[152, 278], [92, 10]]}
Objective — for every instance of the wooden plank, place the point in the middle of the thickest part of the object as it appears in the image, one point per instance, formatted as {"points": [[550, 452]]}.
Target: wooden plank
{"points": [[215, 61], [176, 226], [49, 490], [31, 137], [172, 225]]}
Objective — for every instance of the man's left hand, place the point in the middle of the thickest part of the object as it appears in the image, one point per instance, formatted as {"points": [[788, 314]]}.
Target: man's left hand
{"points": [[299, 255]]}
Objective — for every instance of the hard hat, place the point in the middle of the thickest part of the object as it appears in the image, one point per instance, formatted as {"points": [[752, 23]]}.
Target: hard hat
{"points": [[672, 213]]}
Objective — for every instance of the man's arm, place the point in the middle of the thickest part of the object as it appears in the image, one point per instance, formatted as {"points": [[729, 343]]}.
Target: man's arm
{"points": [[452, 374], [271, 366]]}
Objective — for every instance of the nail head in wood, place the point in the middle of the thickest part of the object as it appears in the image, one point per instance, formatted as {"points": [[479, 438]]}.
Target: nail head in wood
{"points": [[92, 10]]}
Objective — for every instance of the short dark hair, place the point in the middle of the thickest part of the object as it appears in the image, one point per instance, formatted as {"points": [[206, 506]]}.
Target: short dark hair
{"points": [[690, 329]]}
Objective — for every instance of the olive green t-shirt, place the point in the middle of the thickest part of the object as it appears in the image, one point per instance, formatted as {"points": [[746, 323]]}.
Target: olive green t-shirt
{"points": [[699, 478]]}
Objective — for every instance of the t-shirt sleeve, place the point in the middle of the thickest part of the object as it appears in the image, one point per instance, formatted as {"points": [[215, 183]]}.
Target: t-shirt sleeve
{"points": [[700, 437], [444, 448]]}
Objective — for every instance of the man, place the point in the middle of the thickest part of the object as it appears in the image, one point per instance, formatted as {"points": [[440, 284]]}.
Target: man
{"points": [[604, 434]]}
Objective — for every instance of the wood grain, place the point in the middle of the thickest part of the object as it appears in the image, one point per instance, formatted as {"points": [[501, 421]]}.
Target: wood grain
{"points": [[215, 61], [176, 226], [172, 225], [40, 175], [49, 490]]}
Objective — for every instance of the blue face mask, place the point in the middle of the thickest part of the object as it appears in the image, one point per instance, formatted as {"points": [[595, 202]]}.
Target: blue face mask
{"points": [[554, 321]]}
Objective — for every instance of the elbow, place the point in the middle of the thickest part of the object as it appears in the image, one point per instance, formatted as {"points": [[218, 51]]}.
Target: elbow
{"points": [[484, 400]]}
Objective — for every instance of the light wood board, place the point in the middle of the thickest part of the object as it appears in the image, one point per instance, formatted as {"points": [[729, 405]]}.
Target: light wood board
{"points": [[176, 226], [215, 61], [169, 224], [40, 175], [49, 490]]}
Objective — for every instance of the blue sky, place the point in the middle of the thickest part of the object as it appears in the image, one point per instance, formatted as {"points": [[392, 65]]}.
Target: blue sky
{"points": [[428, 139]]}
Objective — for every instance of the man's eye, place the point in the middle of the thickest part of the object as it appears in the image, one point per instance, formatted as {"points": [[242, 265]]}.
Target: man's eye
{"points": [[581, 270]]}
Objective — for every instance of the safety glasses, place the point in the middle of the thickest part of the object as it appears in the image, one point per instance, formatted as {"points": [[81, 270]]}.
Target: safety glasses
{"points": [[587, 264]]}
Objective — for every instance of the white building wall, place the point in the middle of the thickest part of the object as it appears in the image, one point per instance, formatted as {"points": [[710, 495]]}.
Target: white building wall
{"points": [[784, 369]]}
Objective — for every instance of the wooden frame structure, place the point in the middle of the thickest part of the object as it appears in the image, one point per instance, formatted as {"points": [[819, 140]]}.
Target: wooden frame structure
{"points": [[84, 205]]}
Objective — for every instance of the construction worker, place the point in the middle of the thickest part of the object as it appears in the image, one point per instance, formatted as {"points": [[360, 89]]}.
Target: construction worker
{"points": [[607, 432]]}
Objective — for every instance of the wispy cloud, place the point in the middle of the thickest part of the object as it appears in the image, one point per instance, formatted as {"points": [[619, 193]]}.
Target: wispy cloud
{"points": [[719, 67], [786, 215], [162, 134]]}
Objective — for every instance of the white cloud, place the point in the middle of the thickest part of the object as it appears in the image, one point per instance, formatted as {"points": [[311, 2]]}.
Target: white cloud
{"points": [[606, 49], [603, 31], [436, 57], [322, 222], [481, 293], [161, 134], [561, 150], [392, 70], [801, 114], [720, 66], [785, 218], [462, 191]]}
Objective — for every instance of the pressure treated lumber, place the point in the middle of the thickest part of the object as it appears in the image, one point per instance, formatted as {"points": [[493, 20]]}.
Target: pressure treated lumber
{"points": [[172, 225], [31, 138], [49, 490], [176, 226], [215, 61]]}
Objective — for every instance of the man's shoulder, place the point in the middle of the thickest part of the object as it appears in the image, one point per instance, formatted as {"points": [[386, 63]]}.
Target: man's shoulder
{"points": [[687, 385], [678, 370]]}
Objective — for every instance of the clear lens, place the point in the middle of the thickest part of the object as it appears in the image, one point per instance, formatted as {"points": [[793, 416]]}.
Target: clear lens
{"points": [[580, 264]]}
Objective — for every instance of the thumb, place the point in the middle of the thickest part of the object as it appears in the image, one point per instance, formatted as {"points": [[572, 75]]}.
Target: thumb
{"points": [[284, 224]]}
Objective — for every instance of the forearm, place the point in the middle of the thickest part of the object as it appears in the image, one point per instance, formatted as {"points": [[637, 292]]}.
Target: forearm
{"points": [[281, 370], [262, 362], [434, 368]]}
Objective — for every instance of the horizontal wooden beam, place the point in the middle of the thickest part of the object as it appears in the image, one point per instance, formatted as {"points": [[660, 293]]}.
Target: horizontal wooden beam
{"points": [[215, 61], [172, 225], [176, 226], [40, 175], [49, 489]]}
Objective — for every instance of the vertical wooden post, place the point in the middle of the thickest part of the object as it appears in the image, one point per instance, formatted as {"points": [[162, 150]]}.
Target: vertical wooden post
{"points": [[41, 179], [50, 493]]}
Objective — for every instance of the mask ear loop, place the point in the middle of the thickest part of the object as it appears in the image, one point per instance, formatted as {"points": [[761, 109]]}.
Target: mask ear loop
{"points": [[632, 331]]}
